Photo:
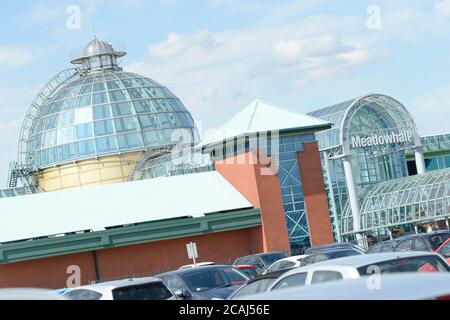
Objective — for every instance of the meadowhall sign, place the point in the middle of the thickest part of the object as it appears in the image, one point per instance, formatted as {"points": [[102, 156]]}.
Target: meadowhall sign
{"points": [[376, 140]]}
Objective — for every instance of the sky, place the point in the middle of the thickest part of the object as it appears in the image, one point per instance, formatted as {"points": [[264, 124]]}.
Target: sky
{"points": [[218, 56]]}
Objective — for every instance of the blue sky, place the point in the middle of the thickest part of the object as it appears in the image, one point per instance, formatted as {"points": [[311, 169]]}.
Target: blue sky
{"points": [[219, 55]]}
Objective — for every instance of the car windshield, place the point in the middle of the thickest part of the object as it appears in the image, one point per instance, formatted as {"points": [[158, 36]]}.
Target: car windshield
{"points": [[272, 257], [153, 291], [203, 280], [414, 264], [436, 240]]}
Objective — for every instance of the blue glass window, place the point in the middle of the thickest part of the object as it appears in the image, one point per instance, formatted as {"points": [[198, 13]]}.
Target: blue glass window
{"points": [[84, 101], [106, 144], [102, 128], [118, 95], [102, 112], [66, 152], [143, 106], [121, 109], [127, 141], [86, 148], [100, 98], [99, 87], [84, 131], [125, 124], [149, 121]]}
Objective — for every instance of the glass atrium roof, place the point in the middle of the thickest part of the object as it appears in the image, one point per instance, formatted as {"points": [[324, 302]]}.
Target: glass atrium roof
{"points": [[335, 140], [105, 111], [412, 199]]}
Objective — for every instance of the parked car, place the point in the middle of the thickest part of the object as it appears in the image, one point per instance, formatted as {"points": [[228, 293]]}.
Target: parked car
{"points": [[286, 263], [28, 294], [257, 285], [205, 283], [425, 286], [249, 270], [329, 255], [444, 250], [261, 260], [334, 246], [200, 264], [422, 241], [128, 289], [361, 265], [385, 246]]}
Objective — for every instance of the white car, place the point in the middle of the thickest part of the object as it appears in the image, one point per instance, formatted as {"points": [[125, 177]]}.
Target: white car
{"points": [[405, 286], [355, 267], [129, 289], [286, 263]]}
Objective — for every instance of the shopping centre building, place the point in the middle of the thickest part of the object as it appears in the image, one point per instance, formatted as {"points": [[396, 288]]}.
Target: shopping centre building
{"points": [[112, 176]]}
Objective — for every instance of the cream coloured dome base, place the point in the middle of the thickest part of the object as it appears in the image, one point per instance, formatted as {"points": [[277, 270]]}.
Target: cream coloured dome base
{"points": [[92, 172]]}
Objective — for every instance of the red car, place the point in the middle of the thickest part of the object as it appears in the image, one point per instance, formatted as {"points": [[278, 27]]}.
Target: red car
{"points": [[249, 270], [444, 250]]}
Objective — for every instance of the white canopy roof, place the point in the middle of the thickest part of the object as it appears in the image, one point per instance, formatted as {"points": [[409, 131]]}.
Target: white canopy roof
{"points": [[262, 116], [97, 208]]}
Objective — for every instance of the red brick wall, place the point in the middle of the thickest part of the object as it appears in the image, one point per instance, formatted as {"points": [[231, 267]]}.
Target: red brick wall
{"points": [[316, 201], [141, 260], [46, 273], [262, 191]]}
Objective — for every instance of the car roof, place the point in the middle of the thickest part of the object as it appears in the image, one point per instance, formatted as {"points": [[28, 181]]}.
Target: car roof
{"points": [[193, 270], [406, 286], [331, 251], [111, 285], [365, 259], [414, 235], [29, 294], [261, 254], [333, 245]]}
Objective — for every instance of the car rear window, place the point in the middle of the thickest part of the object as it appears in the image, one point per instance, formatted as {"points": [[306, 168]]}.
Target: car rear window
{"points": [[153, 291], [272, 257], [414, 264], [436, 240], [250, 272]]}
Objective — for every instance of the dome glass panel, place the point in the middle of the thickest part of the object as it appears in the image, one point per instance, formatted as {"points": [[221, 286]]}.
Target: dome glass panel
{"points": [[105, 112]]}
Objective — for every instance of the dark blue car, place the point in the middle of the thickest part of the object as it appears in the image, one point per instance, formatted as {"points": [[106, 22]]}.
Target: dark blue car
{"points": [[204, 283]]}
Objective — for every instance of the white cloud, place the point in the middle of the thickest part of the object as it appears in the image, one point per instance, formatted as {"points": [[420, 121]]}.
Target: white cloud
{"points": [[11, 56], [230, 68], [431, 110]]}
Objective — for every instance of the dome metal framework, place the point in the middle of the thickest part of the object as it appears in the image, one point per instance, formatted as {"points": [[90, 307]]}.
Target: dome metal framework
{"points": [[97, 110]]}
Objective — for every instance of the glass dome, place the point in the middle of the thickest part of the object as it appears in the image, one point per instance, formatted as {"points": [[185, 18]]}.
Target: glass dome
{"points": [[105, 112]]}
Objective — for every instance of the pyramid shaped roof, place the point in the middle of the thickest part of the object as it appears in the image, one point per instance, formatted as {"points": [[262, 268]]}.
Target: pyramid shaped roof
{"points": [[261, 116]]}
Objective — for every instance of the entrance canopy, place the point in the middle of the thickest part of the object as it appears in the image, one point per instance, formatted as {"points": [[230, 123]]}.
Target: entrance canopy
{"points": [[374, 119], [414, 199]]}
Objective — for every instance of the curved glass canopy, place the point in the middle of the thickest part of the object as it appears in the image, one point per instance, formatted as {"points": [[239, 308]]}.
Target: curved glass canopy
{"points": [[392, 117], [408, 200]]}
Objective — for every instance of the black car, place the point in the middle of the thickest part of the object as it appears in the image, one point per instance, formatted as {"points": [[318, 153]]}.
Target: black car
{"points": [[385, 246], [205, 283], [258, 285], [261, 260], [329, 255], [422, 241], [333, 246]]}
